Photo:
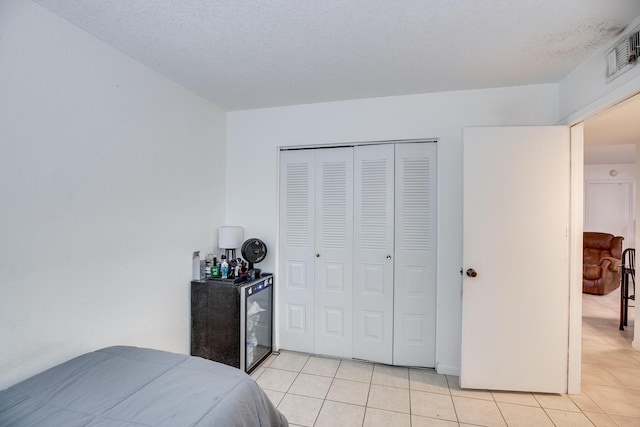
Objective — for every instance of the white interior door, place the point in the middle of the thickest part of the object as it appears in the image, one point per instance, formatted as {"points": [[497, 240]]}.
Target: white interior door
{"points": [[334, 252], [297, 250], [373, 262], [516, 237], [415, 255]]}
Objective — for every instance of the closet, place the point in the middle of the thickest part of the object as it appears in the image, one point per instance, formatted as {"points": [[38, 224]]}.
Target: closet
{"points": [[357, 252]]}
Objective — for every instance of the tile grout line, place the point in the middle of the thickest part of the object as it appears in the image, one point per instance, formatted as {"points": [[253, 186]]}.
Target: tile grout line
{"points": [[455, 411], [448, 380]]}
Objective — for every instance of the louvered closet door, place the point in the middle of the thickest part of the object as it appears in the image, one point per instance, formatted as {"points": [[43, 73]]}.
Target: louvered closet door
{"points": [[334, 251], [297, 260], [373, 261], [415, 255]]}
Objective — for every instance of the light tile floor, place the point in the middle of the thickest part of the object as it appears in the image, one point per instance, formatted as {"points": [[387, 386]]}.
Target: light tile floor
{"points": [[319, 391]]}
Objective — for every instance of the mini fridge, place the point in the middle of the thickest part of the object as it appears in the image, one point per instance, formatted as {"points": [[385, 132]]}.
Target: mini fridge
{"points": [[232, 323]]}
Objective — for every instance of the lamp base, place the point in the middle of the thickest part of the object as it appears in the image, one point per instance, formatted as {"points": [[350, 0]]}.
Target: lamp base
{"points": [[230, 254]]}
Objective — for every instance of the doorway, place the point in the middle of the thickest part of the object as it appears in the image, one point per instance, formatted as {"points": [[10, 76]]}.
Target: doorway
{"points": [[611, 141]]}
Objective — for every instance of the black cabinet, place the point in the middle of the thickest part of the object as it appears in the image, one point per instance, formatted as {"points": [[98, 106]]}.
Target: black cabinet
{"points": [[215, 322], [232, 323]]}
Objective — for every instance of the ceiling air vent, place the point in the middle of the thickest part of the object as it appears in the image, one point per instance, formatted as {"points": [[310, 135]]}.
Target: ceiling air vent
{"points": [[624, 55], [634, 46]]}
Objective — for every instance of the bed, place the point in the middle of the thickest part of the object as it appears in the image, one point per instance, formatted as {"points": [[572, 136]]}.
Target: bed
{"points": [[129, 386]]}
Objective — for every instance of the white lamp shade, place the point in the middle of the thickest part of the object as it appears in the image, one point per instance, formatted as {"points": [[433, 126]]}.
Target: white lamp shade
{"points": [[230, 237]]}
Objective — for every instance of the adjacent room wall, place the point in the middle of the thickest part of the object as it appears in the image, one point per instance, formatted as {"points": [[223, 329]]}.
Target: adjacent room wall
{"points": [[255, 135], [602, 173], [106, 177]]}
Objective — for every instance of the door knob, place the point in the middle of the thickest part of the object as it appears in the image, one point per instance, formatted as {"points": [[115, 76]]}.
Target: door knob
{"points": [[388, 256], [471, 272], [317, 255]]}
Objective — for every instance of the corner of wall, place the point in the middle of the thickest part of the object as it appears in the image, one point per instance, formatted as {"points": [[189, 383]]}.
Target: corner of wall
{"points": [[448, 370], [585, 90]]}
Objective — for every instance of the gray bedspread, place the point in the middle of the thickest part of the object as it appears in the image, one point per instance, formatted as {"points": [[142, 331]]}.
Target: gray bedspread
{"points": [[129, 386]]}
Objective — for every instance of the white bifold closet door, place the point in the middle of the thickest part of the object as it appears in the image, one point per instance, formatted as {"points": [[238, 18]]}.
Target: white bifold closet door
{"points": [[414, 337], [316, 250], [334, 251], [357, 252], [297, 250]]}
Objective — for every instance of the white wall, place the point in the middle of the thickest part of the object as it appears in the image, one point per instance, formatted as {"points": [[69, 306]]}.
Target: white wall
{"points": [[106, 172], [255, 135], [585, 91]]}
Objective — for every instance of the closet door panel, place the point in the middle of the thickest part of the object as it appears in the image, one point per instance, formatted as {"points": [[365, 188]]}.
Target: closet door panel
{"points": [[415, 255], [373, 249], [334, 251], [297, 261]]}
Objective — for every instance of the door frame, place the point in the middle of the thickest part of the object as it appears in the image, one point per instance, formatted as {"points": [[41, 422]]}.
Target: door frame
{"points": [[576, 225], [576, 122]]}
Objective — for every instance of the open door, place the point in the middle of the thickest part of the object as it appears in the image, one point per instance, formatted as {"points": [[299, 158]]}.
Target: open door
{"points": [[516, 272]]}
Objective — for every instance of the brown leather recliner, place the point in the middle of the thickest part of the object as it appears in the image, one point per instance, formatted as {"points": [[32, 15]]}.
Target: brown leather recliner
{"points": [[601, 260]]}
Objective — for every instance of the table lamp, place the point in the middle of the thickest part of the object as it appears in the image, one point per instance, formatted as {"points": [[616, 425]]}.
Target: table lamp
{"points": [[230, 237]]}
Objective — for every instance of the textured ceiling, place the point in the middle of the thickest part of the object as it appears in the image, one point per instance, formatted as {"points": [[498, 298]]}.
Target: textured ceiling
{"points": [[261, 53]]}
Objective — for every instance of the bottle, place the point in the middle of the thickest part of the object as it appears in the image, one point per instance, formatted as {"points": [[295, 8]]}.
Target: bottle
{"points": [[207, 270], [252, 342], [210, 259], [232, 269], [224, 267], [215, 269], [196, 266]]}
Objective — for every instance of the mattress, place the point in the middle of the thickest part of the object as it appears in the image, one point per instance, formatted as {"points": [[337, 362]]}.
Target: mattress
{"points": [[129, 386]]}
